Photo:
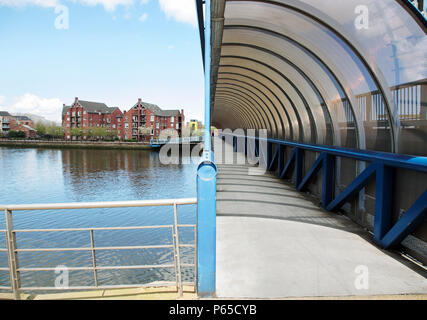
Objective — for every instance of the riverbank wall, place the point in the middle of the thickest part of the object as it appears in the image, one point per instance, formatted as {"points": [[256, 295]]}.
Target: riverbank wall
{"points": [[74, 145]]}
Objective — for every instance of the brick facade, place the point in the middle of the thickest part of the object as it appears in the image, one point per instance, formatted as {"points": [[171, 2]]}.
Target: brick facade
{"points": [[90, 115], [142, 122]]}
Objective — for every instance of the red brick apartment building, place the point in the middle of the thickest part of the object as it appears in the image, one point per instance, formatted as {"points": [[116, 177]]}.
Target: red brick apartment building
{"points": [[87, 114], [127, 125], [16, 123], [150, 116]]}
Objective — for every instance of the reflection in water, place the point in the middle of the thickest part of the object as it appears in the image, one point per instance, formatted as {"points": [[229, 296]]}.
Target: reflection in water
{"points": [[51, 176]]}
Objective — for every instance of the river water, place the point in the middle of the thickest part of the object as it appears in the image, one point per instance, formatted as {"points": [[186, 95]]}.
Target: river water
{"points": [[52, 176]]}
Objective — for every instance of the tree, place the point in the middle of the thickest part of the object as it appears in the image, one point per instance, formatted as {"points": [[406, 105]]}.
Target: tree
{"points": [[16, 134], [76, 132], [99, 132], [41, 129]]}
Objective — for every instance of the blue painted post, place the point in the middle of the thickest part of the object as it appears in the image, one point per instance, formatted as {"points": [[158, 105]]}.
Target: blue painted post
{"points": [[298, 166], [383, 202], [281, 159], [327, 179], [269, 155], [206, 228], [206, 187]]}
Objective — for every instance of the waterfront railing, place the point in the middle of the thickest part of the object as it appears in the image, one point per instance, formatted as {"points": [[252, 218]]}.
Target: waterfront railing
{"points": [[13, 251]]}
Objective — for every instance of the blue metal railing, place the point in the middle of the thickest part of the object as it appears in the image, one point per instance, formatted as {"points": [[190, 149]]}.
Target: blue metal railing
{"points": [[381, 168]]}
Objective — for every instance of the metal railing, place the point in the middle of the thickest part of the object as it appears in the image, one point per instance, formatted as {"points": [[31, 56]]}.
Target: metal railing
{"points": [[177, 140], [12, 250]]}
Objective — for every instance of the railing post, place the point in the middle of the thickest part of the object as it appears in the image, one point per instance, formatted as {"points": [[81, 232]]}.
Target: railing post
{"points": [[298, 166], [206, 226], [15, 282], [383, 202], [92, 246], [178, 252], [327, 179]]}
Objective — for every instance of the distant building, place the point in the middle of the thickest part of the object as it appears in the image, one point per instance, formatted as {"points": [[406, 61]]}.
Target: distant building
{"points": [[145, 121], [141, 122], [87, 114], [24, 120], [5, 122], [195, 125]]}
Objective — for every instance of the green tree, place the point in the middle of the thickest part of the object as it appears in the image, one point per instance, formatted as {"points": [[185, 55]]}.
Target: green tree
{"points": [[12, 134], [76, 132], [41, 129], [56, 131], [100, 132]]}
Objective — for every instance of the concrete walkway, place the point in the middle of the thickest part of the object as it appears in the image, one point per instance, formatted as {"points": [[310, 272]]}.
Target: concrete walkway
{"points": [[272, 242]]}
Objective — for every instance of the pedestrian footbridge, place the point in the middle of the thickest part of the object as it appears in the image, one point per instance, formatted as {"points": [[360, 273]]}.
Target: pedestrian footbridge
{"points": [[274, 242], [330, 97], [326, 103]]}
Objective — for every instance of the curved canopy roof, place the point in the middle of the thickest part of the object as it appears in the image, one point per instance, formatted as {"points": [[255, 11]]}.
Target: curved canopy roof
{"points": [[344, 73]]}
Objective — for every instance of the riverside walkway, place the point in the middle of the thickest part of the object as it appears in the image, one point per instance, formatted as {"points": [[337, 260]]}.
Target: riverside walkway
{"points": [[274, 242]]}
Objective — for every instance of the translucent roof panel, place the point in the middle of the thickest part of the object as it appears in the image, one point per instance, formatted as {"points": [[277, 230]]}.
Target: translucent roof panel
{"points": [[314, 71]]}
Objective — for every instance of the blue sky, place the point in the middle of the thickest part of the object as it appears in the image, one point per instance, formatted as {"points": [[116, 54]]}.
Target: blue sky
{"points": [[114, 51]]}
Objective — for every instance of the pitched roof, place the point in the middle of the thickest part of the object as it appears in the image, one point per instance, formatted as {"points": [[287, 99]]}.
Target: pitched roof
{"points": [[28, 127], [22, 118], [4, 113], [92, 107], [157, 111]]}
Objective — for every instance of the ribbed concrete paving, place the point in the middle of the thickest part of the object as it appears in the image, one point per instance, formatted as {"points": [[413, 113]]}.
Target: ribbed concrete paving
{"points": [[272, 242]]}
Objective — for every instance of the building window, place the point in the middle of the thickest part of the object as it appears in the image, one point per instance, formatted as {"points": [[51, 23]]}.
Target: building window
{"points": [[152, 118], [126, 125], [84, 112], [114, 126], [172, 119], [157, 125], [119, 119]]}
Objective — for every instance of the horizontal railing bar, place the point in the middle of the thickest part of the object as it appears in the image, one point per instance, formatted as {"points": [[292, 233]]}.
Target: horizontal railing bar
{"points": [[186, 226], [4, 269], [5, 288], [159, 266], [188, 265], [3, 250], [97, 205], [96, 249], [163, 284], [416, 163], [187, 245], [94, 229]]}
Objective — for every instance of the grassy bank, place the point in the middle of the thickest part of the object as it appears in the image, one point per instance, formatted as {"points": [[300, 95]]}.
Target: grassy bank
{"points": [[73, 145]]}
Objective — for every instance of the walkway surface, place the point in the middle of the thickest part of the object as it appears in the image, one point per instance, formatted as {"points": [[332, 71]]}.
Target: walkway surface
{"points": [[273, 242]]}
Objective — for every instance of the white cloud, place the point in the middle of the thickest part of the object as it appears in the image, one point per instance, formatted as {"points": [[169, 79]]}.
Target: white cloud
{"points": [[143, 17], [20, 3], [180, 10], [171, 46], [109, 5], [29, 103]]}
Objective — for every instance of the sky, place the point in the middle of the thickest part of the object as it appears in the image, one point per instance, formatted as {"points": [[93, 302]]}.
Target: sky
{"points": [[110, 51]]}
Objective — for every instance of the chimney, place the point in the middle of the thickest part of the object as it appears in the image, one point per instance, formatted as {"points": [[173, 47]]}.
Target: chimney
{"points": [[76, 100]]}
